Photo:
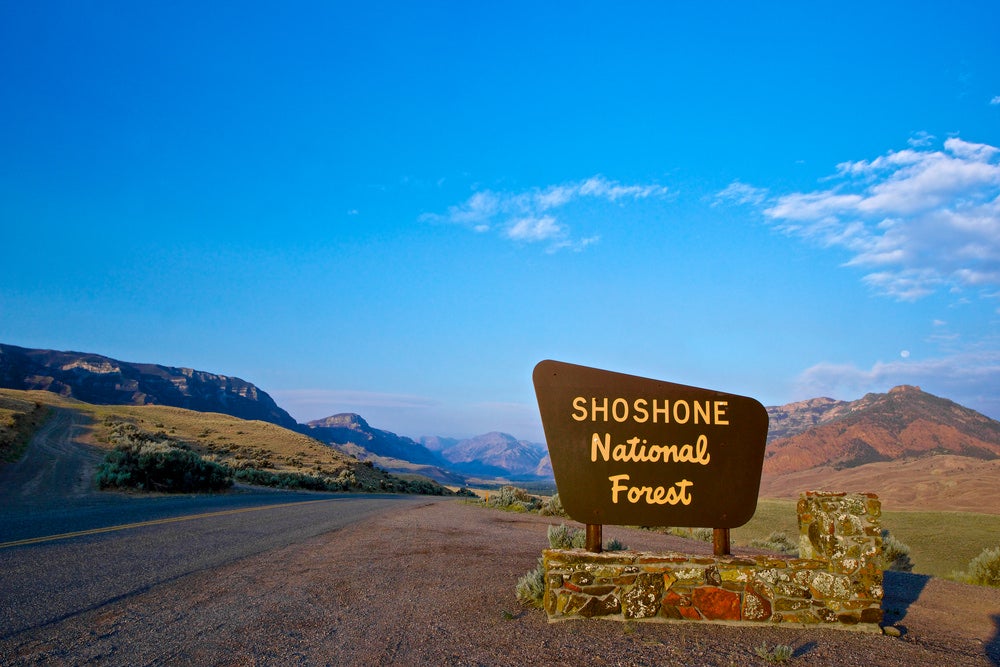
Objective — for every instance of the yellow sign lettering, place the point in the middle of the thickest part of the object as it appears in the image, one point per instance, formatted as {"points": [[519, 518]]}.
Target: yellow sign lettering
{"points": [[677, 494]]}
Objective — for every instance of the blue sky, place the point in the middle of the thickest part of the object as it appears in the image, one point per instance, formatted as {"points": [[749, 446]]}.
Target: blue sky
{"points": [[398, 209]]}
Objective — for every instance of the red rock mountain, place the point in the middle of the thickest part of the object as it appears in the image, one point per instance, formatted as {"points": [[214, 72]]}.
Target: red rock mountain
{"points": [[915, 450], [904, 424]]}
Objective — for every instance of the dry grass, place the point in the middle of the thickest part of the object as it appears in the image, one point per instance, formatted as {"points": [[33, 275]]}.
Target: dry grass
{"points": [[217, 437], [941, 543], [942, 482], [19, 417]]}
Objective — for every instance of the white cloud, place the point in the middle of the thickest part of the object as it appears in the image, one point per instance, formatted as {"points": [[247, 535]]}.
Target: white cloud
{"points": [[544, 228], [534, 216], [995, 101], [741, 193], [919, 219]]}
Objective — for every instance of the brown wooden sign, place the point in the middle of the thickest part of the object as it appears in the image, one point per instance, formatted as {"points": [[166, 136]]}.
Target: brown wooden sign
{"points": [[628, 450]]}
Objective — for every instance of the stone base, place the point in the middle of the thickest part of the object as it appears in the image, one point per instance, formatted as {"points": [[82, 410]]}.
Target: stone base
{"points": [[844, 590]]}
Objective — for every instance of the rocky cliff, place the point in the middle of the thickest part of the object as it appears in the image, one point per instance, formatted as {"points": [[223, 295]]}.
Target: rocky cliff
{"points": [[97, 379]]}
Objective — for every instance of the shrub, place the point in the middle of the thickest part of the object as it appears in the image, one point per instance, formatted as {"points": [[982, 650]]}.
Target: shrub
{"points": [[564, 537], [895, 554], [702, 534], [781, 652], [777, 541], [552, 507], [147, 463], [984, 569], [615, 545], [513, 499], [530, 587]]}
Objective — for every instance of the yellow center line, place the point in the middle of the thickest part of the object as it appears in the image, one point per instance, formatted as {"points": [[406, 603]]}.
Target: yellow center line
{"points": [[154, 522]]}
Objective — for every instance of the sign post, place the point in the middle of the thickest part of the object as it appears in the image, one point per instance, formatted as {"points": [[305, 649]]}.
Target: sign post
{"points": [[628, 450]]}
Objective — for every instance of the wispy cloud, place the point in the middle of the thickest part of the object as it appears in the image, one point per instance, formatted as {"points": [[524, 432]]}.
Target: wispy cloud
{"points": [[535, 215], [918, 219], [995, 101]]}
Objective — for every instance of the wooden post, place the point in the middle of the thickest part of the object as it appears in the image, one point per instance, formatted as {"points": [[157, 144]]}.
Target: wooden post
{"points": [[720, 541], [595, 538]]}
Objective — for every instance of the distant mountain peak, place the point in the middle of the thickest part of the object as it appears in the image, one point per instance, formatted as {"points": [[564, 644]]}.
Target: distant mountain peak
{"points": [[495, 453], [349, 420], [903, 424], [348, 427]]}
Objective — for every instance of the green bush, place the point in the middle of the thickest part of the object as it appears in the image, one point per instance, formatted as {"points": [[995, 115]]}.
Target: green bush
{"points": [[530, 589], [781, 652], [895, 554], [288, 480], [564, 537], [615, 544], [700, 534], [552, 507], [984, 569], [513, 499], [155, 463]]}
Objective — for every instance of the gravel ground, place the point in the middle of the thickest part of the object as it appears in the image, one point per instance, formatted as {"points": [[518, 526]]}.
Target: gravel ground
{"points": [[434, 585]]}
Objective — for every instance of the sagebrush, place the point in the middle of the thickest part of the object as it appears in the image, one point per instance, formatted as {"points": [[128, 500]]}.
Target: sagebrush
{"points": [[155, 462], [984, 569], [895, 554]]}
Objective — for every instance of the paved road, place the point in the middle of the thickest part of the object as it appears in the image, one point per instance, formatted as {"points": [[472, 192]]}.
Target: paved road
{"points": [[66, 549]]}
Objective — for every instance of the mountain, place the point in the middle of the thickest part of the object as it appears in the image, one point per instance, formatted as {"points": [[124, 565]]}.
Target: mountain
{"points": [[905, 423], [794, 418], [492, 454], [352, 428], [351, 434], [93, 378], [915, 450]]}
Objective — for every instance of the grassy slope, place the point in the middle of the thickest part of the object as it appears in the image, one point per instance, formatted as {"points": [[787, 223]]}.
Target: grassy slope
{"points": [[216, 436], [19, 417], [941, 543]]}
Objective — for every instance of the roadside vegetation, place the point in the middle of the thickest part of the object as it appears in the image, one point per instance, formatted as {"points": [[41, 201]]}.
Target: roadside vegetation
{"points": [[530, 588], [983, 570], [155, 461], [190, 443], [940, 544], [20, 416], [960, 546]]}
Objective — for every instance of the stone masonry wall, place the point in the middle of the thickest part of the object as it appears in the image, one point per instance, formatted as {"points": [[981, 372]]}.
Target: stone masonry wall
{"points": [[837, 581]]}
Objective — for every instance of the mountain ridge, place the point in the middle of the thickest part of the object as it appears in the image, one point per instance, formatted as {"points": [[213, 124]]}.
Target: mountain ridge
{"points": [[814, 442], [101, 380], [903, 424]]}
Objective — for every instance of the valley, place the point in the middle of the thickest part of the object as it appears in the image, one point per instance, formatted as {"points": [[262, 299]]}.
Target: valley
{"points": [[916, 450]]}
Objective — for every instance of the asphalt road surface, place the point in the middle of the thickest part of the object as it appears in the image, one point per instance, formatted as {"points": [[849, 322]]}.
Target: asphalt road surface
{"points": [[66, 548]]}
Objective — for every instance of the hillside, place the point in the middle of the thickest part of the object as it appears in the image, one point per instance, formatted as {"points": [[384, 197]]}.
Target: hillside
{"points": [[100, 380], [895, 444], [351, 434], [914, 449], [794, 418], [905, 423], [349, 427], [236, 442]]}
